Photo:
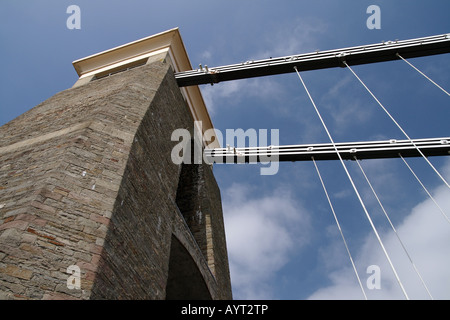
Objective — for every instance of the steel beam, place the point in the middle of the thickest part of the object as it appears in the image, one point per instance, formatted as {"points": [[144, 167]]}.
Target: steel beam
{"points": [[348, 151], [385, 51]]}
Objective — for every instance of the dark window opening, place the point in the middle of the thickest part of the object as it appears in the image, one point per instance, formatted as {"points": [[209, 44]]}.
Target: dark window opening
{"points": [[188, 200], [126, 67]]}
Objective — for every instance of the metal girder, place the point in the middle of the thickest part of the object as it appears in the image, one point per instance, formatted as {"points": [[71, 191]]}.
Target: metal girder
{"points": [[385, 51], [326, 151]]}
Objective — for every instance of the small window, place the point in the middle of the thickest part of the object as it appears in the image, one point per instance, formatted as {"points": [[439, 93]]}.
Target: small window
{"points": [[119, 69]]}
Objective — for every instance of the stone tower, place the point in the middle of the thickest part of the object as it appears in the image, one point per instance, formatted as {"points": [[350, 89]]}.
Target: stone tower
{"points": [[91, 205]]}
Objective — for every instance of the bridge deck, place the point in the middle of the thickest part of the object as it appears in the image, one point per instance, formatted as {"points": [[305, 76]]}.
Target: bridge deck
{"points": [[326, 151], [385, 51]]}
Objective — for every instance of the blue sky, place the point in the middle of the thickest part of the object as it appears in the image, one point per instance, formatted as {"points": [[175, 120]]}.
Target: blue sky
{"points": [[283, 242]]}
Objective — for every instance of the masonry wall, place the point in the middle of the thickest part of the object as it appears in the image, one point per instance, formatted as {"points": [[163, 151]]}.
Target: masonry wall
{"points": [[86, 179]]}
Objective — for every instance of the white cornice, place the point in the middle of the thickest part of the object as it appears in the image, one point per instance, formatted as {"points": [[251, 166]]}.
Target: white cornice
{"points": [[141, 50]]}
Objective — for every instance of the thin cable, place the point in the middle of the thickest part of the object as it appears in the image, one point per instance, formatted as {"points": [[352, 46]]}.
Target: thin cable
{"points": [[393, 228], [424, 188], [423, 74], [401, 129], [340, 229], [353, 185]]}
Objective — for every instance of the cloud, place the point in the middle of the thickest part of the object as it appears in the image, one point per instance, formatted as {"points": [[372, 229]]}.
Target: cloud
{"points": [[292, 37], [426, 235], [206, 55], [261, 233], [231, 93], [346, 104]]}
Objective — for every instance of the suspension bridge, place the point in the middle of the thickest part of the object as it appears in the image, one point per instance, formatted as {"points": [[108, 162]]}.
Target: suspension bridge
{"points": [[397, 50]]}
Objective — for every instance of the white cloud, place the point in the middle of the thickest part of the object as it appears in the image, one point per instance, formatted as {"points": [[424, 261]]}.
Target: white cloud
{"points": [[345, 105], [426, 235], [206, 55], [261, 234], [295, 37], [229, 94]]}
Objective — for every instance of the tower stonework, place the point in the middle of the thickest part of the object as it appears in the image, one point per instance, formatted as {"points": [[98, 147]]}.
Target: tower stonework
{"points": [[87, 180]]}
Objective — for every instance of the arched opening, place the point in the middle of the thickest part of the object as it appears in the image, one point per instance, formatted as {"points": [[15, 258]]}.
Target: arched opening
{"points": [[185, 281]]}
